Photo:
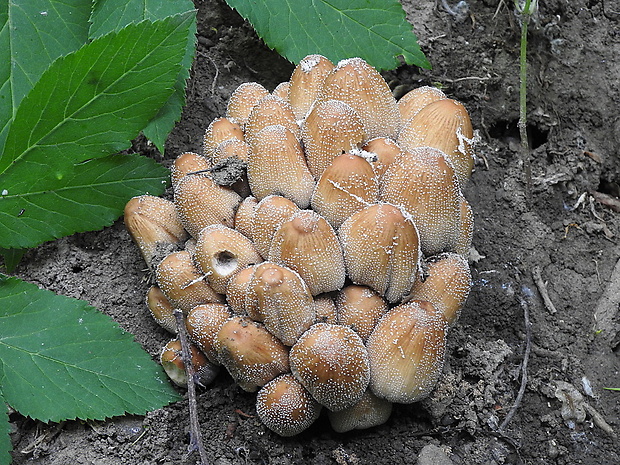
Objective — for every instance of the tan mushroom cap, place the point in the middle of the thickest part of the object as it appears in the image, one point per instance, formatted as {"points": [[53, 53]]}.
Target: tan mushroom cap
{"points": [[152, 221], [286, 407], [381, 250], [332, 364], [307, 244], [406, 352]]}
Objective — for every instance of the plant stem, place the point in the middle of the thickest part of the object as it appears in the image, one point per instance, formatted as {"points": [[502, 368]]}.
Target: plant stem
{"points": [[525, 15]]}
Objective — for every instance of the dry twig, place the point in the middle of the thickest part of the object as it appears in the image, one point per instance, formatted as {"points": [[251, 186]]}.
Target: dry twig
{"points": [[542, 289], [526, 357], [195, 442]]}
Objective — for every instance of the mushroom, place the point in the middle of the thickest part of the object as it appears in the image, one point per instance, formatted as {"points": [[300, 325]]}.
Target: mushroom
{"points": [[183, 284], [444, 125], [307, 244], [203, 322], [171, 359], [277, 166], [358, 84], [406, 352], [281, 300], [153, 222], [306, 82], [200, 202], [250, 353], [413, 101], [446, 284], [219, 130], [423, 183], [369, 411], [285, 407], [345, 187], [161, 309], [221, 252], [332, 364], [331, 128], [243, 100], [359, 308], [381, 250]]}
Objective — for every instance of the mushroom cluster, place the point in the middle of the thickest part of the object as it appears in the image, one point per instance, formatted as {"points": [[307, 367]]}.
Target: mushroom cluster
{"points": [[317, 246]]}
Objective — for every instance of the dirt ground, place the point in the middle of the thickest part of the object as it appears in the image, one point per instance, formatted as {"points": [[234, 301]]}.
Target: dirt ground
{"points": [[565, 416]]}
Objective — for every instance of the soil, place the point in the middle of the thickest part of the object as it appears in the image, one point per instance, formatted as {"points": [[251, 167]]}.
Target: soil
{"points": [[556, 221]]}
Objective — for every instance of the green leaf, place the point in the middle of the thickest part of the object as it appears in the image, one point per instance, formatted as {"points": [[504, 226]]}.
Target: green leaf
{"points": [[32, 35], [113, 15], [11, 257], [86, 105], [88, 197], [5, 428], [62, 359], [375, 30]]}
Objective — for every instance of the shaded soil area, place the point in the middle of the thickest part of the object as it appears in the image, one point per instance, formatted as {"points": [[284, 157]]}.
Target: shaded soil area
{"points": [[561, 222]]}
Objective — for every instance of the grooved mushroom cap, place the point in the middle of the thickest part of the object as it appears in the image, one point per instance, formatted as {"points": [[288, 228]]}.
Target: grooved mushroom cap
{"points": [[183, 284], [200, 202], [466, 230], [269, 214], [220, 130], [406, 352], [444, 125], [203, 322], [244, 216], [369, 411], [237, 289], [386, 151], [332, 364], [161, 309], [285, 407], [381, 250], [422, 182], [152, 221], [413, 101], [358, 84], [307, 244], [446, 285], [359, 308], [271, 110], [187, 163], [332, 127], [277, 166], [306, 83], [243, 99], [231, 148], [250, 353], [282, 90], [281, 300], [221, 252], [345, 187]]}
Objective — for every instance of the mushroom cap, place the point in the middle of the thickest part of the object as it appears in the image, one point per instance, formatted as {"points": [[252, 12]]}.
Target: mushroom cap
{"points": [[381, 250], [250, 353], [285, 406], [406, 352], [332, 364], [369, 411], [307, 244]]}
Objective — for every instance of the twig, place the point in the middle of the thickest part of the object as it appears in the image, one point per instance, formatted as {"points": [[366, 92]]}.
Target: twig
{"points": [[195, 442], [542, 289], [526, 357], [217, 70]]}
